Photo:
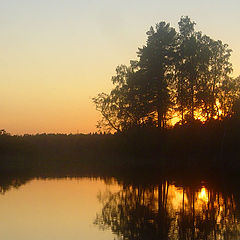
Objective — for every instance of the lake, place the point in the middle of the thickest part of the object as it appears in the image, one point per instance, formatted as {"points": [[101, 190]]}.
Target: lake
{"points": [[97, 209]]}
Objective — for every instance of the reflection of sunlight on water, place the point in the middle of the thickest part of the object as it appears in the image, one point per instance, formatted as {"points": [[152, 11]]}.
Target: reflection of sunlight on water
{"points": [[168, 211], [203, 195], [176, 197]]}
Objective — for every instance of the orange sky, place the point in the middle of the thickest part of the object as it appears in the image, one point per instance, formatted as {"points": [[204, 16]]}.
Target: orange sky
{"points": [[56, 55]]}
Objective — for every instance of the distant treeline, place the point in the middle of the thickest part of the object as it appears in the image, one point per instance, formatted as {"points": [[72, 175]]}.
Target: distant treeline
{"points": [[213, 146]]}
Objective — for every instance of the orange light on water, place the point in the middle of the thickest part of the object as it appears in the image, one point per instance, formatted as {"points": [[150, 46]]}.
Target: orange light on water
{"points": [[203, 195]]}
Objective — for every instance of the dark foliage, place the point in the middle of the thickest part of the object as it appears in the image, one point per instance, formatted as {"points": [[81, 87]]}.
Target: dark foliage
{"points": [[213, 145]]}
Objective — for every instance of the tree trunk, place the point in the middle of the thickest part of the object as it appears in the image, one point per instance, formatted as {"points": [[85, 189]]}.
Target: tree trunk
{"points": [[159, 118], [192, 101]]}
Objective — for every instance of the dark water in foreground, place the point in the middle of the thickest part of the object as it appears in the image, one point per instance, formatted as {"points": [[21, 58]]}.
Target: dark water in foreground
{"points": [[96, 209]]}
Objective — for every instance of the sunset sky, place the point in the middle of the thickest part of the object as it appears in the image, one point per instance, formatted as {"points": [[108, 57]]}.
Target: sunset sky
{"points": [[55, 55]]}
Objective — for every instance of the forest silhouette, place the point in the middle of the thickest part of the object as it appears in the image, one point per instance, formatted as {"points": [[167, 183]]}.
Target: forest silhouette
{"points": [[179, 78], [176, 107], [170, 127]]}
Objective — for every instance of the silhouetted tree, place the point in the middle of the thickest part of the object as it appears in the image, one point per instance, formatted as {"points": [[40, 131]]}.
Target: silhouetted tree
{"points": [[156, 63], [185, 73]]}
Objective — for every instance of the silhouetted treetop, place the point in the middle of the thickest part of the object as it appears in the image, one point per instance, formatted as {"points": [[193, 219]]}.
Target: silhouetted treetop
{"points": [[179, 77]]}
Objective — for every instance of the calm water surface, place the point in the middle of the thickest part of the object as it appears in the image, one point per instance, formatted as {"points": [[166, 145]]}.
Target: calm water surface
{"points": [[53, 209], [92, 209]]}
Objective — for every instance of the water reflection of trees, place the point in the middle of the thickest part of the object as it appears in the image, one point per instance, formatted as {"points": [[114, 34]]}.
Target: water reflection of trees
{"points": [[164, 211]]}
